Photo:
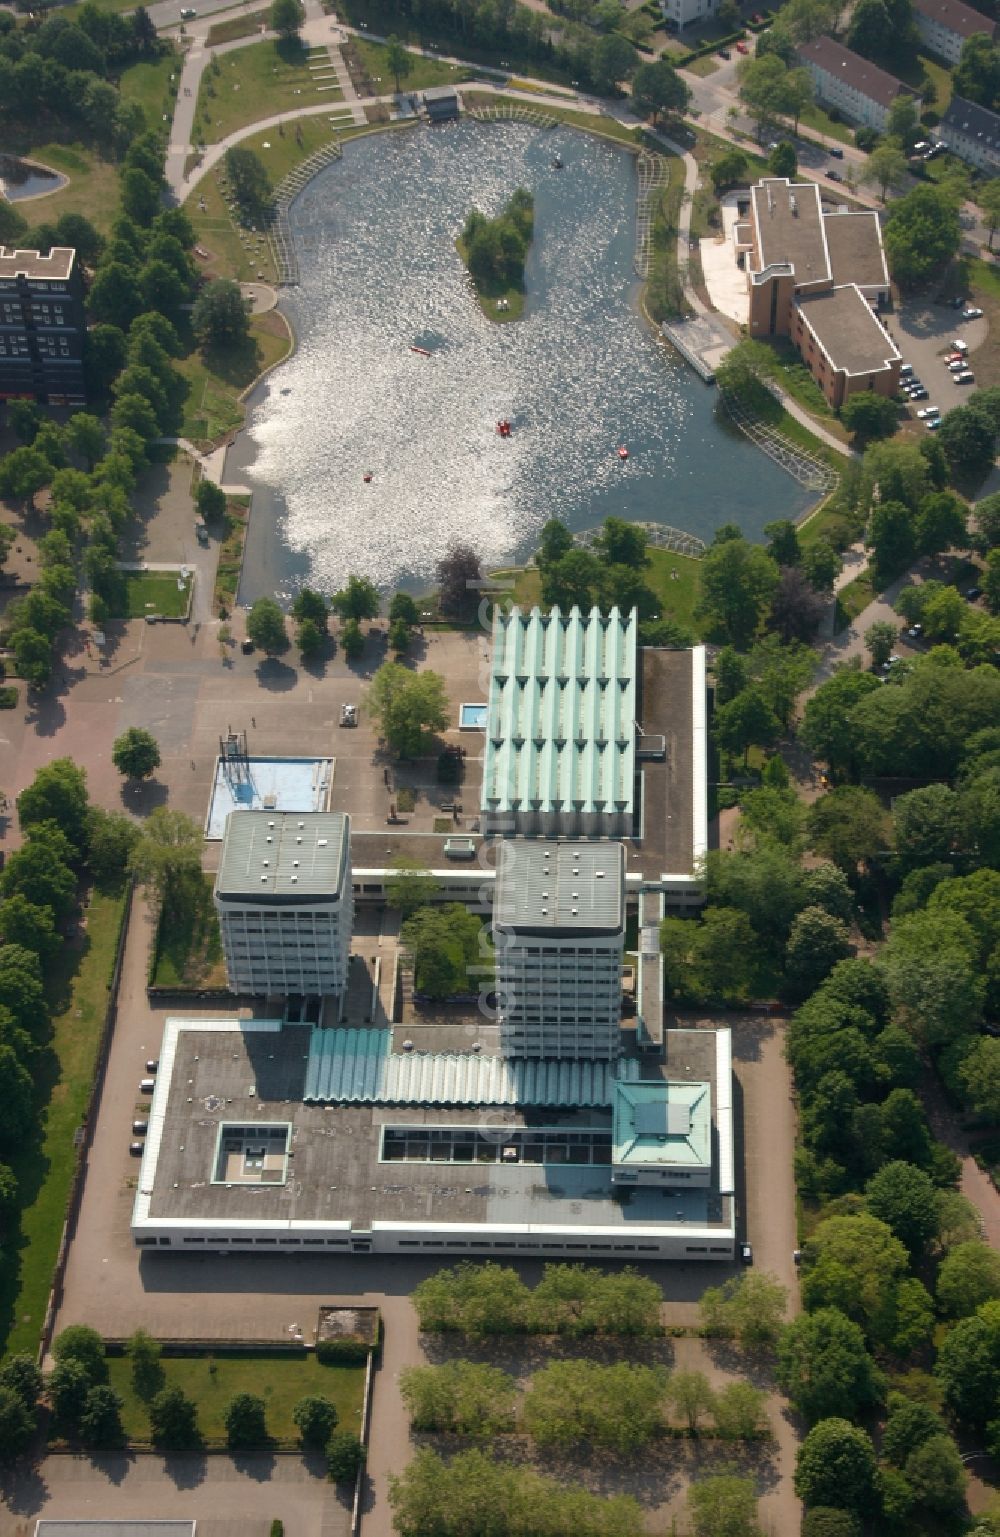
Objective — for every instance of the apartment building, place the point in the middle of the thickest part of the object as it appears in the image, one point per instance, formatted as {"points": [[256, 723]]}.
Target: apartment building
{"points": [[559, 932], [973, 134], [818, 278], [284, 899], [945, 26], [42, 327], [684, 13], [856, 87]]}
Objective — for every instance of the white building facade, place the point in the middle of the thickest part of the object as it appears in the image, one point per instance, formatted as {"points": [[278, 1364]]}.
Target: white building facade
{"points": [[854, 86], [973, 134], [284, 899], [946, 25]]}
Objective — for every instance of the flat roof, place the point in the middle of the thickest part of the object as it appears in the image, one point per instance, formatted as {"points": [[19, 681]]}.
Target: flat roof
{"points": [[674, 786], [661, 1121], [57, 266], [844, 326], [561, 729], [859, 74], [788, 217], [573, 887], [956, 17], [444, 93], [273, 854], [266, 784], [854, 241], [254, 1071]]}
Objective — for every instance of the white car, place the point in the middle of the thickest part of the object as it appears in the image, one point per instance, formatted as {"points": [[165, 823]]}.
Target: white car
{"points": [[959, 346], [956, 368], [927, 411], [972, 314]]}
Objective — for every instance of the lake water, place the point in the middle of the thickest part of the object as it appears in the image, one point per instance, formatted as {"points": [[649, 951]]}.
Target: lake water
{"points": [[577, 376], [22, 178]]}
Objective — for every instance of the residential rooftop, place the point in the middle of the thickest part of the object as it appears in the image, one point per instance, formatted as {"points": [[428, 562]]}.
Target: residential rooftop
{"points": [[283, 856], [860, 74], [788, 217], [854, 241], [56, 267], [956, 17], [972, 120], [544, 887], [844, 326]]}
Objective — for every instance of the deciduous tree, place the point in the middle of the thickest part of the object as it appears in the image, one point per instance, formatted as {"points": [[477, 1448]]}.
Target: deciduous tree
{"points": [[824, 1366], [136, 753], [409, 707]]}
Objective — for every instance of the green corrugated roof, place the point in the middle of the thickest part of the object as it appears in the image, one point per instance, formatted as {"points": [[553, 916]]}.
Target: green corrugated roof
{"points": [[562, 712]]}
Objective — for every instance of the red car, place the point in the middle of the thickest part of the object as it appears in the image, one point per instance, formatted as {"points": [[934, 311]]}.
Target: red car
{"points": [[742, 48]]}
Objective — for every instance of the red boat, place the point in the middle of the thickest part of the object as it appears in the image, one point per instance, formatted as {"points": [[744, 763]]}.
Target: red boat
{"points": [[622, 452], [424, 352], [504, 428]]}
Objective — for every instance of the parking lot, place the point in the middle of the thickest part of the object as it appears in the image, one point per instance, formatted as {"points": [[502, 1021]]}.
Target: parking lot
{"points": [[923, 331]]}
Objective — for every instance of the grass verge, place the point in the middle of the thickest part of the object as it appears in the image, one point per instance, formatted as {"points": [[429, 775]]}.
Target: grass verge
{"points": [[189, 952], [368, 66], [227, 572], [77, 987], [153, 84], [678, 594], [235, 27], [854, 598], [212, 1380], [141, 593]]}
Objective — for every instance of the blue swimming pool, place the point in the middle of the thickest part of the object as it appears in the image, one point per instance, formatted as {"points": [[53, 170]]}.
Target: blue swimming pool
{"points": [[472, 717]]}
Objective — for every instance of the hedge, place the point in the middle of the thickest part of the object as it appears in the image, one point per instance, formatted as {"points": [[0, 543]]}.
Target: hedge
{"points": [[707, 48], [349, 1351]]}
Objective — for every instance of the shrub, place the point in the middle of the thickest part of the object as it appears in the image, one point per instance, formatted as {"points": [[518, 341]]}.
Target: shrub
{"points": [[8, 698], [315, 1418], [345, 1456], [81, 1343]]}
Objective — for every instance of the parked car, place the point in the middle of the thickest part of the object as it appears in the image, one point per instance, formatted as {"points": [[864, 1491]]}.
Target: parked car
{"points": [[953, 357], [741, 47], [932, 423], [188, 13], [960, 346], [965, 377], [958, 304], [201, 533], [973, 313], [147, 1085], [837, 153], [348, 715], [140, 1128], [905, 370], [136, 1148], [915, 631], [746, 1254], [928, 411], [919, 394], [724, 53], [834, 176], [972, 593], [957, 366]]}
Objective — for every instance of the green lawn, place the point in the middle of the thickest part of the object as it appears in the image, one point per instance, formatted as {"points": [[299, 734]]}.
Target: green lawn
{"points": [[826, 522], [855, 597], [678, 597], [706, 65], [488, 295], [217, 378], [795, 379], [77, 987], [141, 593], [424, 72], [149, 84], [814, 117], [189, 952], [254, 82], [281, 1380], [93, 186]]}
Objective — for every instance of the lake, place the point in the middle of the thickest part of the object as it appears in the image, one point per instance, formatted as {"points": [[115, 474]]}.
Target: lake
{"points": [[577, 376]]}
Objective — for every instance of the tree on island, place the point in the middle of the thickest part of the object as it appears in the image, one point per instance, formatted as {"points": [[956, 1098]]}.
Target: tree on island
{"points": [[495, 249]]}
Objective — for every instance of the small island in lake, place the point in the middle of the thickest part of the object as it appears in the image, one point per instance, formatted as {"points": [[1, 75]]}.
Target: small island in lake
{"points": [[494, 251]]}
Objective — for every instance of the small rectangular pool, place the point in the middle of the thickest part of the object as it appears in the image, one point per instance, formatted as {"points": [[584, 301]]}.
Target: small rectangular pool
{"points": [[473, 717]]}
